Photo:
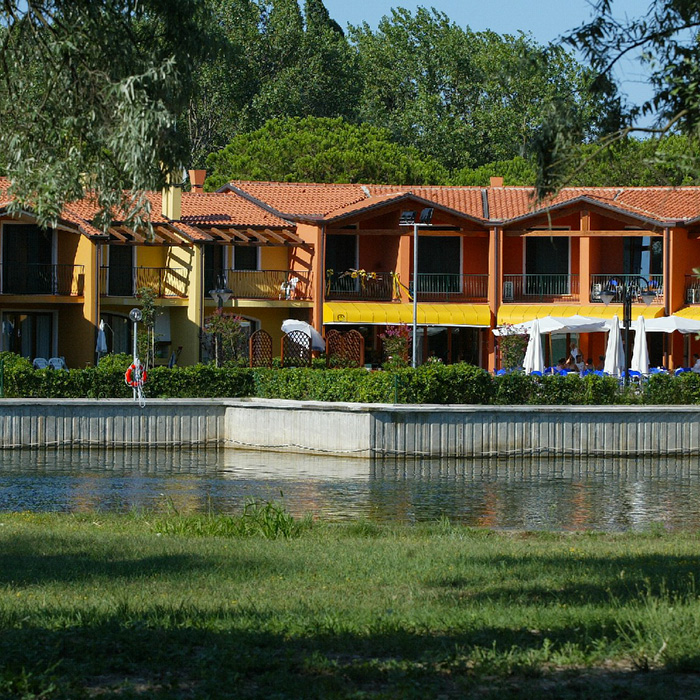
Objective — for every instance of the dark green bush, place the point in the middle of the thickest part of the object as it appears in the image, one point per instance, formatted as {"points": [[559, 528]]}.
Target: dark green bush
{"points": [[429, 384]]}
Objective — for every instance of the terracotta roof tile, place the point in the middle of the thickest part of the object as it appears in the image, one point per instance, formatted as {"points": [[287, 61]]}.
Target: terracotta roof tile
{"points": [[302, 199], [465, 200]]}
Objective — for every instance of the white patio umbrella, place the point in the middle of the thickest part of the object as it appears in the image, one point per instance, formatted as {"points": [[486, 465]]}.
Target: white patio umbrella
{"points": [[101, 347], [614, 352], [640, 353], [555, 324], [669, 324], [292, 324], [534, 360]]}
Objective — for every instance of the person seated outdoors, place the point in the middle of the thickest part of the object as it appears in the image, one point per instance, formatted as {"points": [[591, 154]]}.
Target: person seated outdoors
{"points": [[561, 364], [601, 363], [579, 364], [696, 364], [589, 364]]}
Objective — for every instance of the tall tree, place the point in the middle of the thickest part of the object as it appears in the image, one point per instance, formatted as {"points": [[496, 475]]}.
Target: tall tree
{"points": [[90, 92], [464, 97], [666, 40], [320, 150]]}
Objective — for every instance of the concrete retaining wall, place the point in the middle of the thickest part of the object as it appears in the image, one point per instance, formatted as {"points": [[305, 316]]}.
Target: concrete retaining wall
{"points": [[359, 430]]}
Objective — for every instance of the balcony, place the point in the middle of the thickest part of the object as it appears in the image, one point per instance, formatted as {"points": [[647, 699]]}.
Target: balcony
{"points": [[540, 288], [692, 289], [125, 281], [36, 279], [634, 282], [452, 287], [358, 285], [264, 284]]}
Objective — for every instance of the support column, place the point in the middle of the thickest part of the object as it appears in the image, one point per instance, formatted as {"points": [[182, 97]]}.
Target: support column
{"points": [[584, 262], [495, 286], [195, 308]]}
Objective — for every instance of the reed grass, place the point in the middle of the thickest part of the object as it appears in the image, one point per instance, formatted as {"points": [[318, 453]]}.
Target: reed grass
{"points": [[171, 606]]}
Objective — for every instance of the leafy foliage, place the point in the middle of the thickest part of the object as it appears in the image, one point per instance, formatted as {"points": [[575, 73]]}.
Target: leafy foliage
{"points": [[89, 96], [320, 150], [665, 40], [466, 98]]}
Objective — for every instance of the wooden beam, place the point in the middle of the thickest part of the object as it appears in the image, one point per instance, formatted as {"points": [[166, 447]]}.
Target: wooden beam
{"points": [[546, 233]]}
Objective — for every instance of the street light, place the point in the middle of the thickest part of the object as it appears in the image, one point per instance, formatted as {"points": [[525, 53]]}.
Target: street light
{"points": [[408, 218], [627, 293], [220, 295]]}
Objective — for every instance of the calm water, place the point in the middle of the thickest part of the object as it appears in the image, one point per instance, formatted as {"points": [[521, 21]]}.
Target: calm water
{"points": [[552, 494]]}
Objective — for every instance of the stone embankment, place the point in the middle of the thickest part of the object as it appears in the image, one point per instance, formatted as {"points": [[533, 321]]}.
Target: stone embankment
{"points": [[358, 430]]}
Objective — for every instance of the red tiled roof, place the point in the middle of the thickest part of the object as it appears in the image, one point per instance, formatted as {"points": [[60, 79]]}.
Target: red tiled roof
{"points": [[302, 199], [657, 203], [465, 200]]}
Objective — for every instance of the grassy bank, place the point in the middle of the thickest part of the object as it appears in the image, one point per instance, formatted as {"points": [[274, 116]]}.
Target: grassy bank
{"points": [[154, 606]]}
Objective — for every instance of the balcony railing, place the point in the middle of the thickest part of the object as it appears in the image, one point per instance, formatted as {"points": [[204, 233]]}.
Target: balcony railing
{"points": [[540, 288], [264, 284], [360, 285], [452, 287], [31, 279], [125, 281], [692, 289], [634, 282]]}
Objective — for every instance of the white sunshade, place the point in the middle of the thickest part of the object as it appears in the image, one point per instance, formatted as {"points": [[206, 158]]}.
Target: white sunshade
{"points": [[669, 324], [640, 353], [614, 352], [317, 341], [534, 359], [557, 324]]}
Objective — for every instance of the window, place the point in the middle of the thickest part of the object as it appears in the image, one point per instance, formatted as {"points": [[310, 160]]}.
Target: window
{"points": [[27, 257], [120, 278], [547, 265], [643, 256], [28, 334], [245, 258], [439, 264], [214, 267]]}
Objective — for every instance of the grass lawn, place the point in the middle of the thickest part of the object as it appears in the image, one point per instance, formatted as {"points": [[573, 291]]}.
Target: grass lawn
{"points": [[168, 606]]}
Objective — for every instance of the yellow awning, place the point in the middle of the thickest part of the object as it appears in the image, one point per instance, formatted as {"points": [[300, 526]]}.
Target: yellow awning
{"points": [[519, 313], [692, 312], [389, 313]]}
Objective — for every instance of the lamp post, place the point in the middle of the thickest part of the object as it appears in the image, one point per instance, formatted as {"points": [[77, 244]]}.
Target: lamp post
{"points": [[220, 295], [628, 293], [408, 218]]}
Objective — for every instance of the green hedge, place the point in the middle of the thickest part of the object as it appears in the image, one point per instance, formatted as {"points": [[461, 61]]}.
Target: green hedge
{"points": [[429, 384]]}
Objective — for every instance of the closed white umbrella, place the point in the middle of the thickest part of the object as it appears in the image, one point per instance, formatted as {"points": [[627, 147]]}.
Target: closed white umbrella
{"points": [[640, 353], [534, 360], [292, 324], [614, 352], [101, 347]]}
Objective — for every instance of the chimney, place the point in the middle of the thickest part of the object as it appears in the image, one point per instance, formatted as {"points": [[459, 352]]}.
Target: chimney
{"points": [[197, 178], [496, 182], [172, 198]]}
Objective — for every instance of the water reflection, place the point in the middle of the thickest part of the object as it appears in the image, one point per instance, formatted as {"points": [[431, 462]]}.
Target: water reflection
{"points": [[532, 493]]}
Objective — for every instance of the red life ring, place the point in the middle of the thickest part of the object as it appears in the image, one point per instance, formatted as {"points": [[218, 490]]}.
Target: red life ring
{"points": [[134, 377]]}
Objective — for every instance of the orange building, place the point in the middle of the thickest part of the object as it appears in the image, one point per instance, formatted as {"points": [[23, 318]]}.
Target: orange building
{"points": [[342, 256]]}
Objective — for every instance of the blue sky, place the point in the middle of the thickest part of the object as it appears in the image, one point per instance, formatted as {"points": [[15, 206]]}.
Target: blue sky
{"points": [[546, 20]]}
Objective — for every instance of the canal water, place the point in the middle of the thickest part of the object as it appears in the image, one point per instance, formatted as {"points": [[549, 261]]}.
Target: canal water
{"points": [[516, 493]]}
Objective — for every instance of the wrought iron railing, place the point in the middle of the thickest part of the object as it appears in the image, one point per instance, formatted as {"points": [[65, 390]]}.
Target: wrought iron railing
{"points": [[126, 281], [548, 288], [451, 287], [263, 284], [360, 285], [31, 279], [635, 282]]}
